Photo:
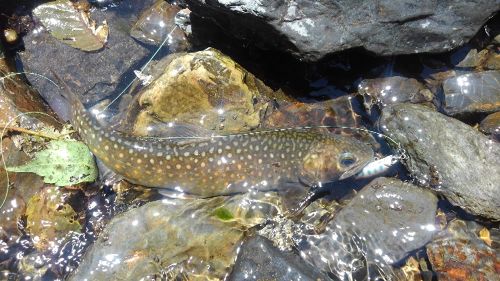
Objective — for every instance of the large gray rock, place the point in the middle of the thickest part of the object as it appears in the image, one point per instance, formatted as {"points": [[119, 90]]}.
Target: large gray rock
{"points": [[473, 92], [313, 29], [94, 75], [259, 260], [460, 162], [387, 219]]}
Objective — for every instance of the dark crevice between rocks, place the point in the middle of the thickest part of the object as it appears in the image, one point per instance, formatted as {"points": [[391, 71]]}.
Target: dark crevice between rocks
{"points": [[280, 69]]}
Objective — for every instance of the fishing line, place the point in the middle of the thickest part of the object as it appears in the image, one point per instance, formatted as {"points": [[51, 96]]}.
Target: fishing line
{"points": [[30, 73], [168, 37], [4, 164]]}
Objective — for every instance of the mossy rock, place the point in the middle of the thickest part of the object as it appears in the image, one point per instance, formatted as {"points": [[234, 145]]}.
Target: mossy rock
{"points": [[207, 89]]}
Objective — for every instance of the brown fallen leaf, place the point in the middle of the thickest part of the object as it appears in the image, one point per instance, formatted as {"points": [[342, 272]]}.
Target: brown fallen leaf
{"points": [[71, 26]]}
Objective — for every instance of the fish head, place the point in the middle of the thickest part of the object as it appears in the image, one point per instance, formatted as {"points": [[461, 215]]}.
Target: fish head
{"points": [[336, 158]]}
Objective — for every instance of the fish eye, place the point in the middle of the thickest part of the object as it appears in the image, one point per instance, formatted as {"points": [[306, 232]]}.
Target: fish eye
{"points": [[347, 159]]}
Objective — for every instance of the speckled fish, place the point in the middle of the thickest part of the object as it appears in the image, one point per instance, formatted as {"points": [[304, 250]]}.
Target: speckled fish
{"points": [[224, 164]]}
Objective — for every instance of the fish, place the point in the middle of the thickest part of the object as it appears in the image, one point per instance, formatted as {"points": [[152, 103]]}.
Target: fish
{"points": [[226, 164]]}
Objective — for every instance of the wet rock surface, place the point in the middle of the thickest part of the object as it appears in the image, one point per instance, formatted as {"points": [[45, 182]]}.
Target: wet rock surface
{"points": [[312, 30], [92, 75], [491, 124], [387, 219], [157, 23], [458, 253], [335, 112], [49, 217], [206, 89], [392, 90], [260, 260], [175, 238], [460, 162], [474, 92]]}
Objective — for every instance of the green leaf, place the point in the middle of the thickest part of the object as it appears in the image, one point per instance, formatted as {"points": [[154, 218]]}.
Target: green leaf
{"points": [[62, 163], [223, 214]]}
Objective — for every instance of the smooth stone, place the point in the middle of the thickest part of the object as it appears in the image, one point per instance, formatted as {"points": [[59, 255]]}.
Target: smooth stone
{"points": [[335, 112], [458, 161], [157, 23], [176, 238], [473, 92], [392, 90], [260, 260], [387, 219], [311, 30], [491, 124], [93, 75]]}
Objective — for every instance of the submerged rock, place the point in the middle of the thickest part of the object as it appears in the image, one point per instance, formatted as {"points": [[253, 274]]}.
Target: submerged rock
{"points": [[312, 30], [335, 112], [193, 238], [259, 260], [157, 23], [474, 92], [474, 58], [49, 217], [206, 89], [392, 90], [458, 253], [460, 162], [491, 124], [387, 219], [93, 75]]}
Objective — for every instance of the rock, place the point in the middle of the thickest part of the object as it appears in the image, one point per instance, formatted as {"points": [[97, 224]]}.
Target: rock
{"points": [[192, 238], [474, 92], [313, 30], [104, 3], [156, 23], [49, 217], [259, 260], [457, 253], [493, 61], [491, 124], [205, 88], [94, 75], [391, 90], [474, 58], [335, 112], [387, 219], [460, 162]]}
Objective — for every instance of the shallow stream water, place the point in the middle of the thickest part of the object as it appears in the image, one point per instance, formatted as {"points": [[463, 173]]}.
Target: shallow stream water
{"points": [[243, 189]]}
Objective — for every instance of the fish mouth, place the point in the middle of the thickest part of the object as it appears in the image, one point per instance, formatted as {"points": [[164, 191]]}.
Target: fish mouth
{"points": [[355, 169]]}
